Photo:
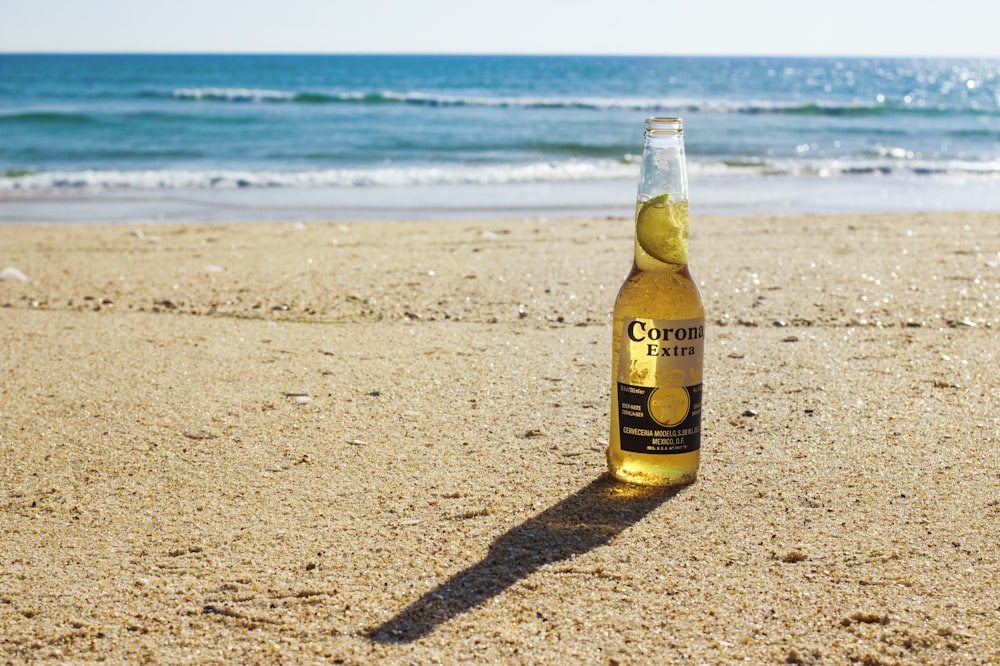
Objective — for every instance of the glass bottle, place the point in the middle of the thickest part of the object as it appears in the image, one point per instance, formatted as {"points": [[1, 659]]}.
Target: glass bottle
{"points": [[659, 327]]}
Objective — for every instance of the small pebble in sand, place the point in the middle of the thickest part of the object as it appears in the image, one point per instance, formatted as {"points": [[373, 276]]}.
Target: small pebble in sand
{"points": [[141, 235], [750, 412], [11, 273], [211, 268], [865, 618], [357, 442], [793, 556]]}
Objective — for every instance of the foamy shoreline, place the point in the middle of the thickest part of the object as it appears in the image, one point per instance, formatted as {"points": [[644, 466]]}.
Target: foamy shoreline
{"points": [[383, 442], [732, 194]]}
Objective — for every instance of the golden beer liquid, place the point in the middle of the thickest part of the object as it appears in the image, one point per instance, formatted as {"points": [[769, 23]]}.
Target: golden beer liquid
{"points": [[658, 288]]}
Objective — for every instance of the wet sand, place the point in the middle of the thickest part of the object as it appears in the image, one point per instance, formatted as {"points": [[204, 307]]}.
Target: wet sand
{"points": [[384, 443]]}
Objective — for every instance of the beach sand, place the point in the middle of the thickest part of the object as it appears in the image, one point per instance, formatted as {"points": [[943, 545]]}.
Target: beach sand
{"points": [[384, 443]]}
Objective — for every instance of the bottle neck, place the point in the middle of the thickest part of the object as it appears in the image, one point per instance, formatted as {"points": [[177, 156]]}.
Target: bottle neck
{"points": [[663, 166], [661, 224]]}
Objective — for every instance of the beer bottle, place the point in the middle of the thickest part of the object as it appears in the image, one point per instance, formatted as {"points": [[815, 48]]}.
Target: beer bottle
{"points": [[659, 327]]}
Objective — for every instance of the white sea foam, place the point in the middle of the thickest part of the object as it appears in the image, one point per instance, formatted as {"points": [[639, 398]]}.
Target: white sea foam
{"points": [[889, 161], [625, 103], [572, 171], [233, 94]]}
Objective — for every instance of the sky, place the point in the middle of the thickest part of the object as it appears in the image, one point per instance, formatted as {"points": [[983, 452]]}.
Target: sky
{"points": [[958, 28]]}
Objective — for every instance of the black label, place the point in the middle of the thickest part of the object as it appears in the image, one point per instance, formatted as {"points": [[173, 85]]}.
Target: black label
{"points": [[659, 419]]}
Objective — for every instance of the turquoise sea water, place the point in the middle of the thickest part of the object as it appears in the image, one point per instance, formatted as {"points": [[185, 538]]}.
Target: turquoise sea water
{"points": [[338, 137]]}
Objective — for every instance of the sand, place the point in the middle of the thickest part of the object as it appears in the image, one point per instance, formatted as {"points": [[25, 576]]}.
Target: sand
{"points": [[384, 443]]}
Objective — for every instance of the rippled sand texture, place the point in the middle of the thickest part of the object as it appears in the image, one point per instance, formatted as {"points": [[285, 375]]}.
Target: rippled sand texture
{"points": [[384, 443]]}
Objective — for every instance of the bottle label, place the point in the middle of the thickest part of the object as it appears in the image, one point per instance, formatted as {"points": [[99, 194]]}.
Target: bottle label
{"points": [[659, 385]]}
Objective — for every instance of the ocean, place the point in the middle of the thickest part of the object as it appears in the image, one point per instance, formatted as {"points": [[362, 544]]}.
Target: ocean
{"points": [[312, 137]]}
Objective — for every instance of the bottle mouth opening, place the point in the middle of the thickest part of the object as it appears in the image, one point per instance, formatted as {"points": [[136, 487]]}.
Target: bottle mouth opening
{"points": [[660, 126]]}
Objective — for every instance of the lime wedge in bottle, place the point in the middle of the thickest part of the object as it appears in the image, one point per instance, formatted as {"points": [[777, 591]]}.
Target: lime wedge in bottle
{"points": [[661, 229]]}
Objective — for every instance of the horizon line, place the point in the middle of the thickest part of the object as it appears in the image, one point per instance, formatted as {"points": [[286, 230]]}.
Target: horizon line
{"points": [[490, 54]]}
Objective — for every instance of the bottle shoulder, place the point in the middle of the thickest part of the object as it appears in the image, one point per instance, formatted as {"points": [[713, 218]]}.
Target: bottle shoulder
{"points": [[659, 294], [672, 278]]}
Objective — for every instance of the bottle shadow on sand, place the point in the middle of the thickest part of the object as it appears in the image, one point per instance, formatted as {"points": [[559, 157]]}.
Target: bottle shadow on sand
{"points": [[588, 518]]}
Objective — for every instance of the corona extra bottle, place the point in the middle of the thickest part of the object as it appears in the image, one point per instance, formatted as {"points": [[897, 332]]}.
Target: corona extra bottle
{"points": [[659, 328]]}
